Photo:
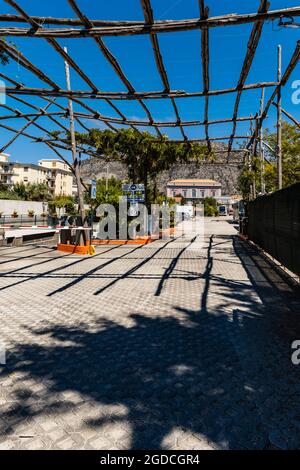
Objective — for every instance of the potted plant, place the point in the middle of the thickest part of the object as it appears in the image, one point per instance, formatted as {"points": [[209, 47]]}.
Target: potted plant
{"points": [[14, 214], [44, 215], [30, 213]]}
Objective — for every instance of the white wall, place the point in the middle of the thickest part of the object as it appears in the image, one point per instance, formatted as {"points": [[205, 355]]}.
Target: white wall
{"points": [[22, 207]]}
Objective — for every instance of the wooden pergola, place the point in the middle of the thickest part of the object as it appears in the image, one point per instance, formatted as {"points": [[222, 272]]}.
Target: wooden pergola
{"points": [[49, 29]]}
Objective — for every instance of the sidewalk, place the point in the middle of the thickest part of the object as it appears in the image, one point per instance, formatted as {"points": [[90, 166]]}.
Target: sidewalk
{"points": [[156, 346]]}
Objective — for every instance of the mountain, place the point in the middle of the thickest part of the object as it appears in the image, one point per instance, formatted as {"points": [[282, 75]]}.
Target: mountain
{"points": [[219, 170]]}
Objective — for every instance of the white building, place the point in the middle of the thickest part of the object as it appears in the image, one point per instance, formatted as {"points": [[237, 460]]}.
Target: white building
{"points": [[55, 173], [60, 176], [194, 189]]}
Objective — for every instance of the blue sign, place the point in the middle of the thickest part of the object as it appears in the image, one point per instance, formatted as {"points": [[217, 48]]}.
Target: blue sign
{"points": [[134, 192], [93, 189]]}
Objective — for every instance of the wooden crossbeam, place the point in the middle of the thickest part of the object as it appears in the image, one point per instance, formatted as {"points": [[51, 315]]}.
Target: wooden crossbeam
{"points": [[126, 28], [25, 90], [107, 120]]}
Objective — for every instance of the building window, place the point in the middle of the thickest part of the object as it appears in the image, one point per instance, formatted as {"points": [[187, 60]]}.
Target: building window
{"points": [[184, 194], [203, 194], [194, 193], [25, 169], [25, 179], [213, 193]]}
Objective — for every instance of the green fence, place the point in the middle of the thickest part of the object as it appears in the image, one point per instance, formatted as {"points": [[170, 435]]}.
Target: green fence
{"points": [[274, 225]]}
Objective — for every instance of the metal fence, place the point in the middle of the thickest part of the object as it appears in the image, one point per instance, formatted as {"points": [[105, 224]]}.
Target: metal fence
{"points": [[274, 225], [23, 220]]}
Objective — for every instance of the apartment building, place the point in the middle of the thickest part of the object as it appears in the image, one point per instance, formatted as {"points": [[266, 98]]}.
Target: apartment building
{"points": [[194, 189], [54, 173], [60, 176]]}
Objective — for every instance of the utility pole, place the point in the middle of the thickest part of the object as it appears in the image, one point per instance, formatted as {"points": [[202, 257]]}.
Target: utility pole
{"points": [[73, 144], [261, 148], [250, 163], [279, 123], [106, 182]]}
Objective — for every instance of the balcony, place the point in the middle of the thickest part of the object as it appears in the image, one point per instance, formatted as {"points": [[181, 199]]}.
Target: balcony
{"points": [[10, 172]]}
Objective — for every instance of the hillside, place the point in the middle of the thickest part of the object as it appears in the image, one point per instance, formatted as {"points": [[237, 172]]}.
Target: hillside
{"points": [[226, 174]]}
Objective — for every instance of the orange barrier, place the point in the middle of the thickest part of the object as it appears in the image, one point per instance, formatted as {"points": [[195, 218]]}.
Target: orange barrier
{"points": [[86, 250], [76, 249]]}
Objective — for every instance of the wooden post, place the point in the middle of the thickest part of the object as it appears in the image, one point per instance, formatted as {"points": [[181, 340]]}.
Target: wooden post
{"points": [[73, 144], [279, 124], [261, 149], [254, 175]]}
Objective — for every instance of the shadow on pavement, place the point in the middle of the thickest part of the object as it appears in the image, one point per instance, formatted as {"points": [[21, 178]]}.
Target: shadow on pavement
{"points": [[226, 379]]}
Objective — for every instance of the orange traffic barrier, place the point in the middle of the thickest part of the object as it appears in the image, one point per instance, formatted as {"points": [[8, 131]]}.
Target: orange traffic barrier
{"points": [[87, 249]]}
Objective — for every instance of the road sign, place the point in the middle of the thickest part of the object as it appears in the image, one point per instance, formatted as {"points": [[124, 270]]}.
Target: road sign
{"points": [[133, 210], [134, 192]]}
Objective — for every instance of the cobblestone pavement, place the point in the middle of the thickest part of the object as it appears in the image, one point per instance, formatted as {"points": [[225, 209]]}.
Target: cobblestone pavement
{"points": [[161, 346]]}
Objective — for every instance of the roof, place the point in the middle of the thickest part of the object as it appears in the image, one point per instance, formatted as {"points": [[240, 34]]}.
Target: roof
{"points": [[38, 167], [194, 182]]}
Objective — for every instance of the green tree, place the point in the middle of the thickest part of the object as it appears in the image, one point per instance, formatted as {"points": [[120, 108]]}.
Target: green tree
{"points": [[106, 192], [290, 163], [210, 206], [62, 202], [144, 155], [290, 155], [32, 191]]}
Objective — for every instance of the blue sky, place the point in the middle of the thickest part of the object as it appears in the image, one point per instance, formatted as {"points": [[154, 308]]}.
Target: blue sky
{"points": [[182, 57]]}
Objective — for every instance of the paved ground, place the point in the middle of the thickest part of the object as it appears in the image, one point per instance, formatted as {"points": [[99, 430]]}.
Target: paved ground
{"points": [[162, 346]]}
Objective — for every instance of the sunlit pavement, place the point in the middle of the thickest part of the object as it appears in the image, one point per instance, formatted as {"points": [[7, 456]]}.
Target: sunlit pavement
{"points": [[168, 346]]}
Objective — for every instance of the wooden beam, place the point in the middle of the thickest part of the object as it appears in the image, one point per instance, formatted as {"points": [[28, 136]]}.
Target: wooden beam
{"points": [[204, 13], [279, 120], [288, 72], [74, 147], [24, 90], [251, 49], [107, 119], [28, 124], [16, 55], [126, 28], [288, 115], [112, 60], [149, 18], [35, 27]]}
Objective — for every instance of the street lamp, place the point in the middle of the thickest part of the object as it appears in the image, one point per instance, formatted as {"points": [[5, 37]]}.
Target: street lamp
{"points": [[288, 22]]}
